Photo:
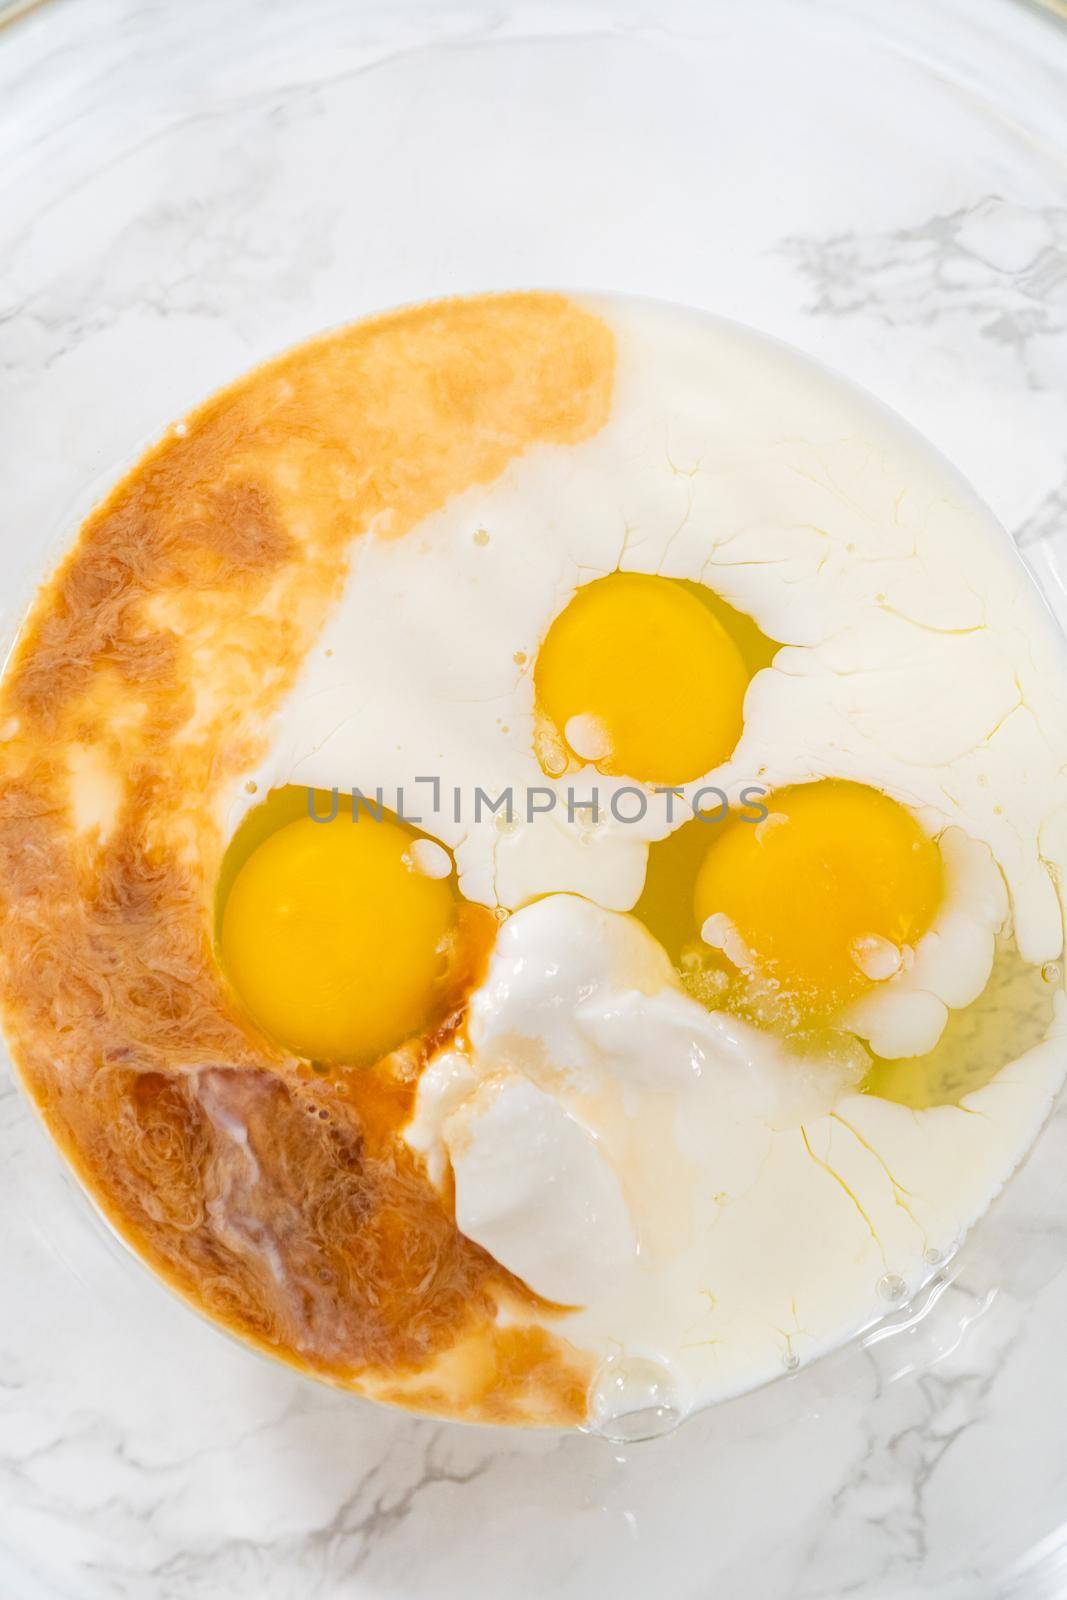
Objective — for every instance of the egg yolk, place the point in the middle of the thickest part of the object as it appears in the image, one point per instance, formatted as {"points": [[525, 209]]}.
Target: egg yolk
{"points": [[335, 941], [640, 677], [833, 882]]}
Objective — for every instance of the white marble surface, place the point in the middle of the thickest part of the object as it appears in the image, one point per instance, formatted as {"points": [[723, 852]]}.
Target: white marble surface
{"points": [[186, 188]]}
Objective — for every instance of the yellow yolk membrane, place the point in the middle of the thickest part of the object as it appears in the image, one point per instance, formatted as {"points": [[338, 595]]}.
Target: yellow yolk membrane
{"points": [[334, 938], [820, 893], [638, 675]]}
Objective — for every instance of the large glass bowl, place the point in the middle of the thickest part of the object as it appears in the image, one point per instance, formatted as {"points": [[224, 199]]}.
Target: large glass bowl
{"points": [[189, 188]]}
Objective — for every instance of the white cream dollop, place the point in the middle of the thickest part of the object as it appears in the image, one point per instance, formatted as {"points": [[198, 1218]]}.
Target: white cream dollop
{"points": [[533, 1190], [705, 1199]]}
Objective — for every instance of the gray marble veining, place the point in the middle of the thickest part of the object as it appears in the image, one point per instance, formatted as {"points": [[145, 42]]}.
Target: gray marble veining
{"points": [[186, 189]]}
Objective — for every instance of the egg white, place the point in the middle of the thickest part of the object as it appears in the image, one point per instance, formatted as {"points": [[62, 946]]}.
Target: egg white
{"points": [[905, 1014]]}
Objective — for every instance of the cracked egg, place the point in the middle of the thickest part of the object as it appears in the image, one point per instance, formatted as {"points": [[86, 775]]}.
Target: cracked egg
{"points": [[533, 831]]}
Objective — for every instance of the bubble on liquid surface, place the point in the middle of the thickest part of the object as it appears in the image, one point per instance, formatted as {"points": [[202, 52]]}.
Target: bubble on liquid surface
{"points": [[891, 1287], [634, 1399]]}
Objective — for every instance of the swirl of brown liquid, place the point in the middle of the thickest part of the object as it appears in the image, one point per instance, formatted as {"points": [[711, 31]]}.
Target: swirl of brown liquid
{"points": [[278, 1200]]}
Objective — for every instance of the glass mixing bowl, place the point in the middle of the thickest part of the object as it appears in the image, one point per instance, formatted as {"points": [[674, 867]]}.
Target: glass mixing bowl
{"points": [[187, 189]]}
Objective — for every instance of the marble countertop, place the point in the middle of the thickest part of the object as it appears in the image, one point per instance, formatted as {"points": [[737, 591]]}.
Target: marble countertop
{"points": [[186, 189]]}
